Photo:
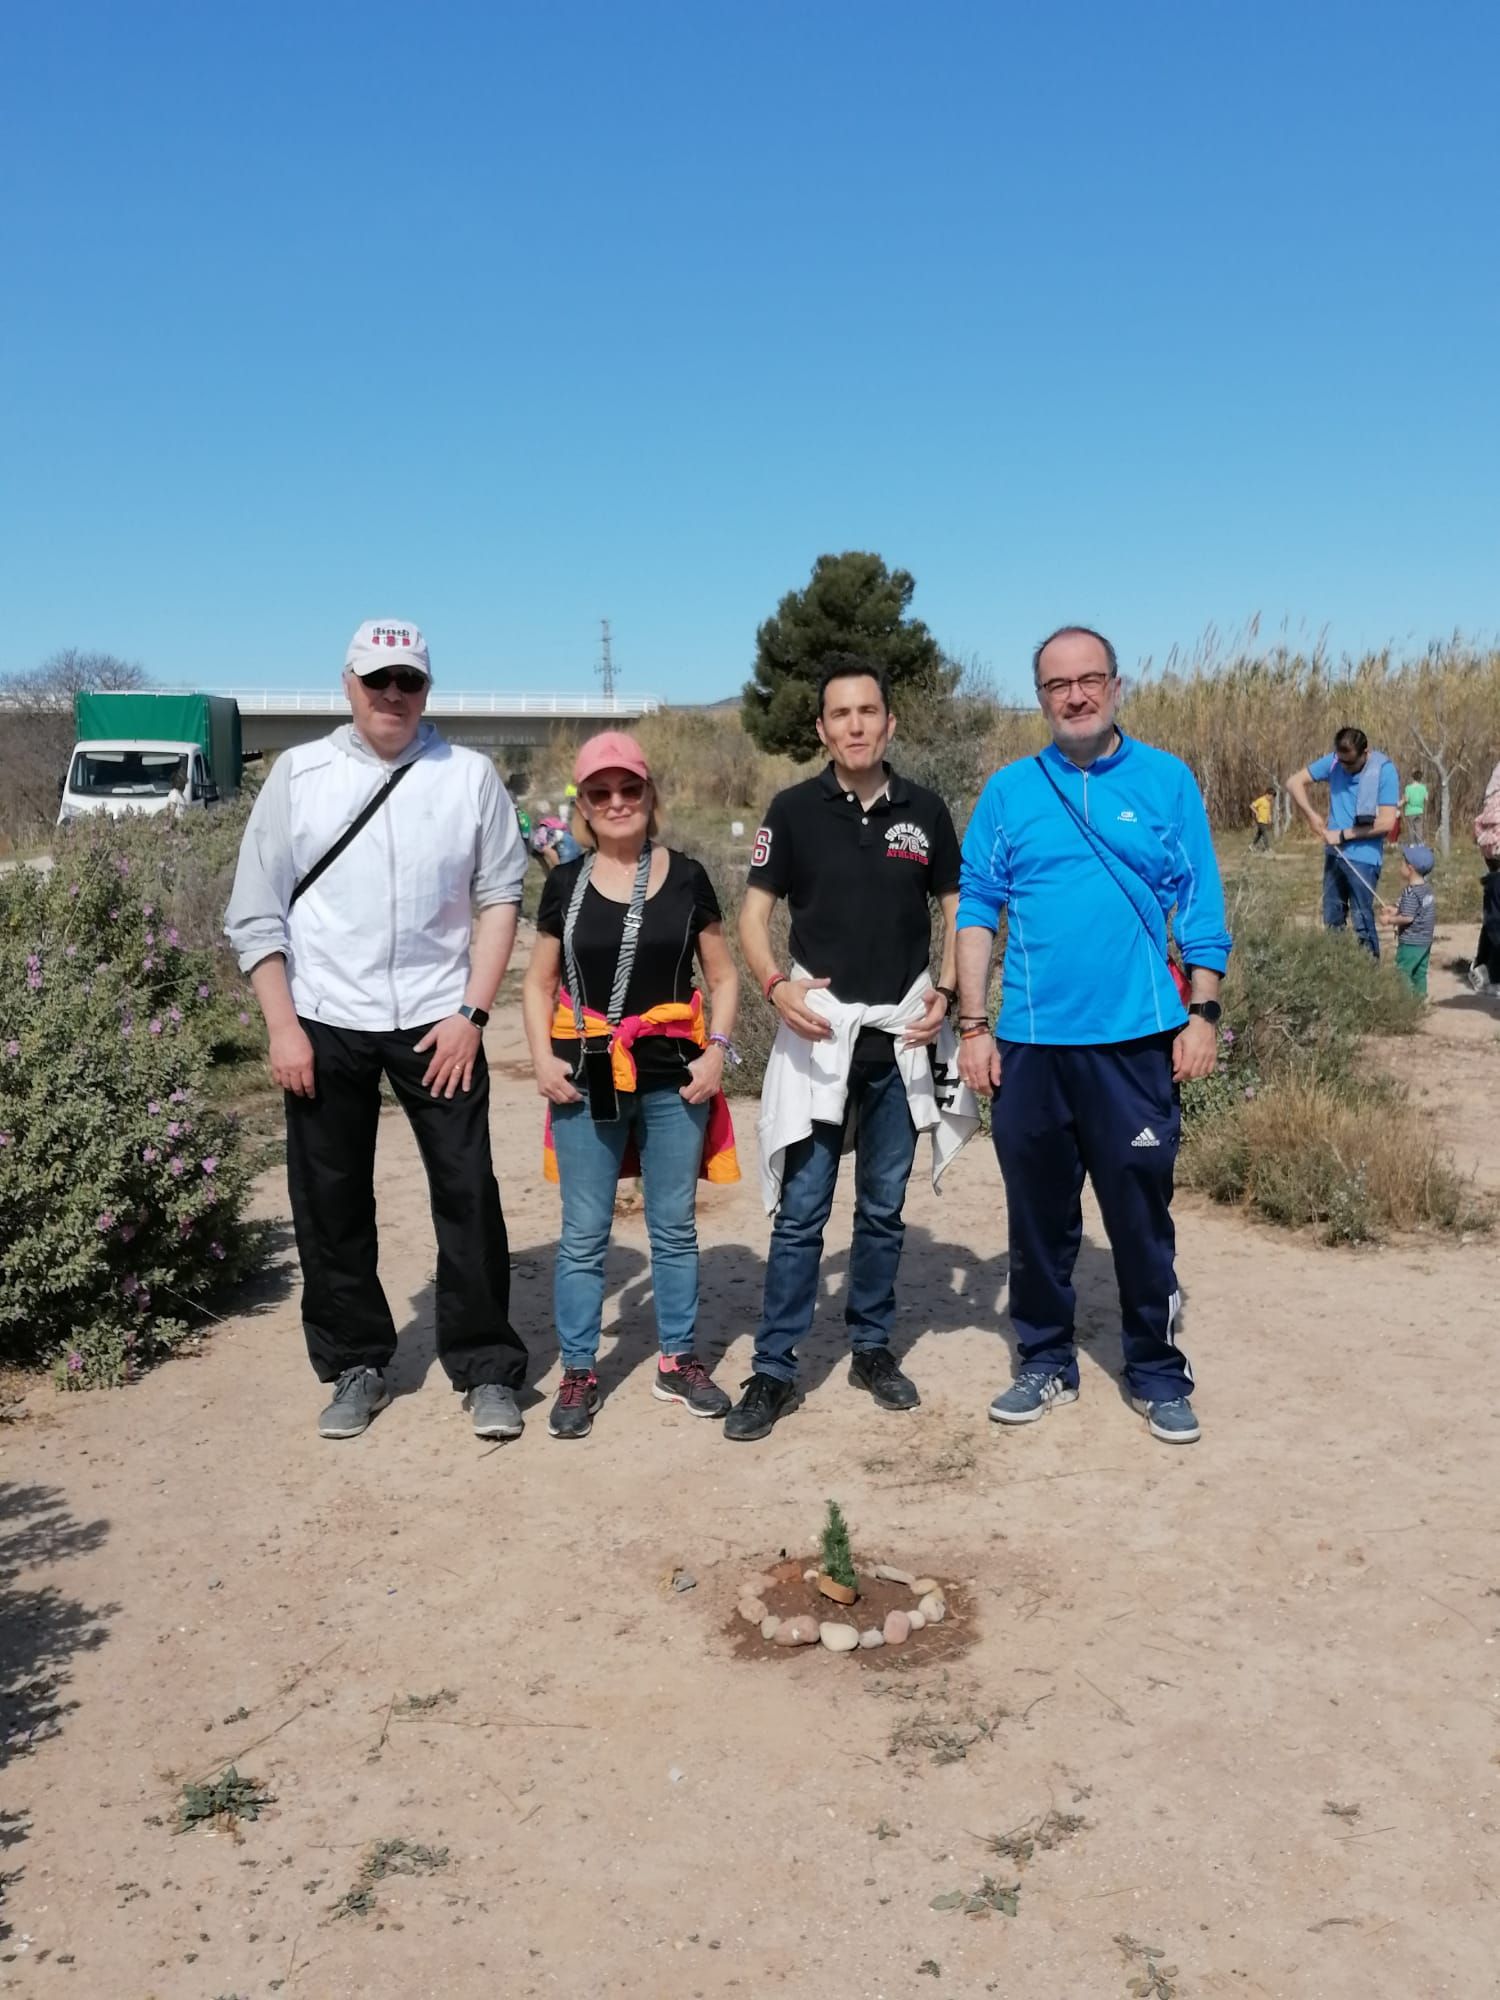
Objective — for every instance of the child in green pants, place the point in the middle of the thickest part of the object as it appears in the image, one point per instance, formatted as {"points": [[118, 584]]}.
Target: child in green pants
{"points": [[1414, 916]]}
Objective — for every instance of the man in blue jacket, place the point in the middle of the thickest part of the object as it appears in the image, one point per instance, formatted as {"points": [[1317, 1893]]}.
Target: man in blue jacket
{"points": [[1364, 803], [1089, 847]]}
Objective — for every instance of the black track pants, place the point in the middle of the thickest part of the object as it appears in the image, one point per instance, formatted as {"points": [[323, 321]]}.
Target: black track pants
{"points": [[330, 1157]]}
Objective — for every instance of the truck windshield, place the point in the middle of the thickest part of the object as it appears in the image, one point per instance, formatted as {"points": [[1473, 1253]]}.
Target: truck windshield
{"points": [[115, 774]]}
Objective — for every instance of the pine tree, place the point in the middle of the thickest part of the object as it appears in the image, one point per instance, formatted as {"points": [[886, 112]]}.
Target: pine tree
{"points": [[838, 1563]]}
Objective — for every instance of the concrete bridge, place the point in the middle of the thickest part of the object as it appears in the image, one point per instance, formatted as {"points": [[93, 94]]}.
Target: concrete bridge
{"points": [[275, 718]]}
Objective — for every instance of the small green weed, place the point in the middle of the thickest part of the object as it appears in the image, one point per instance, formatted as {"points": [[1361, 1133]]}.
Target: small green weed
{"points": [[385, 1858], [990, 1895], [422, 1704], [225, 1799], [1154, 1981], [1050, 1830]]}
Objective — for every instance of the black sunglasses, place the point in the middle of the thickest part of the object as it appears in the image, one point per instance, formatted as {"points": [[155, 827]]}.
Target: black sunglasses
{"points": [[407, 679]]}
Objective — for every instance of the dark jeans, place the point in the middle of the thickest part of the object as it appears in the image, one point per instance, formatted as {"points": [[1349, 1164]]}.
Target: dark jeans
{"points": [[1110, 1112], [330, 1161], [885, 1144], [1262, 836], [1349, 887]]}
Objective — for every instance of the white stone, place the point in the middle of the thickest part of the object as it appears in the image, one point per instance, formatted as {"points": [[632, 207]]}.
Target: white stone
{"points": [[809, 1576], [871, 1639], [838, 1638], [888, 1573], [923, 1584], [916, 1620], [769, 1626], [933, 1608], [751, 1610]]}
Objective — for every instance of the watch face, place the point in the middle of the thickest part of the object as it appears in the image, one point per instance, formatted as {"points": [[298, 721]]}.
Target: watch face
{"points": [[1208, 1010]]}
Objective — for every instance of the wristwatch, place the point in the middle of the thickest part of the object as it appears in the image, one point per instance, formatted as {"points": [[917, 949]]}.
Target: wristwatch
{"points": [[477, 1015], [1207, 1010]]}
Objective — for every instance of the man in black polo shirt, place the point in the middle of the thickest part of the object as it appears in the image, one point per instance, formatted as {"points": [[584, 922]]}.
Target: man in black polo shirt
{"points": [[858, 853]]}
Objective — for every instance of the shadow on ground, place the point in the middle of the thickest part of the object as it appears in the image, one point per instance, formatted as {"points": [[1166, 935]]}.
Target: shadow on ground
{"points": [[40, 1631]]}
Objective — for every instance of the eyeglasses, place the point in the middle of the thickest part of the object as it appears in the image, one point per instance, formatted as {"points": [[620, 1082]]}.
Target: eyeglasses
{"points": [[1089, 684], [630, 793], [407, 679]]}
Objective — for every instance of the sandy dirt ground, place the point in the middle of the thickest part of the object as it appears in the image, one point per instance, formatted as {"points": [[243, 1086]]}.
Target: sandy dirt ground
{"points": [[1256, 1680]]}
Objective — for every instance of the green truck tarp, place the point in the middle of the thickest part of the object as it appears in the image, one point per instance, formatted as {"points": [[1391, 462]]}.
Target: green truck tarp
{"points": [[212, 721]]}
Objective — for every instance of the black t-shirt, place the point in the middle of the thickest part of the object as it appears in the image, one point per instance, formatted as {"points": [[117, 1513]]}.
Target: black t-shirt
{"points": [[857, 884], [663, 970]]}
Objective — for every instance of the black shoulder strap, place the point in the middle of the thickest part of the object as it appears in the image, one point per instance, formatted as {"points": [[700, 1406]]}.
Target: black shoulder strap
{"points": [[355, 827]]}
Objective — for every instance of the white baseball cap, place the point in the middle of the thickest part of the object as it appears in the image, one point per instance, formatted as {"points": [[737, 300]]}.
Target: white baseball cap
{"points": [[387, 642]]}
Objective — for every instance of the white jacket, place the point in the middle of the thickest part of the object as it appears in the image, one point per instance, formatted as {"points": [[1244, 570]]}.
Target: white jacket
{"points": [[381, 939], [807, 1083]]}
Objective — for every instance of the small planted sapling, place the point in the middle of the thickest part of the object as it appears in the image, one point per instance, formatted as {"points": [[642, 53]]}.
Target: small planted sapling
{"points": [[837, 1579]]}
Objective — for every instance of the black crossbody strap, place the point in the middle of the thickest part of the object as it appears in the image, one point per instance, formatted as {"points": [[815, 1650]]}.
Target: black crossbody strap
{"points": [[1101, 848], [355, 827]]}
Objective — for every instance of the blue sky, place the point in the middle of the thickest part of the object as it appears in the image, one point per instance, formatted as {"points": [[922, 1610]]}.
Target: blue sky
{"points": [[503, 319]]}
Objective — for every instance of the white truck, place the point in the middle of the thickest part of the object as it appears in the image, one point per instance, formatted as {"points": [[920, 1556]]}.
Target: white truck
{"points": [[151, 753]]}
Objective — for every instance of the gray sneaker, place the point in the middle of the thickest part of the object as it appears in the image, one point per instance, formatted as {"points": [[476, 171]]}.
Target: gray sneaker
{"points": [[358, 1394], [1171, 1421], [495, 1411], [1030, 1396]]}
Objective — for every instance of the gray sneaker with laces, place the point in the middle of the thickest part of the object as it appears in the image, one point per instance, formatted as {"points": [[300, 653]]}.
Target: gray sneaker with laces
{"points": [[495, 1411], [357, 1395], [1030, 1396]]}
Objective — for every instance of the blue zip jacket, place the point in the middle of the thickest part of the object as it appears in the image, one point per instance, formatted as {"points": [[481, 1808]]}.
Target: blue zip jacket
{"points": [[1080, 966]]}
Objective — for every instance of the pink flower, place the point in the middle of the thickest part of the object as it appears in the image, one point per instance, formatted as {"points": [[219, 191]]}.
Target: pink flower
{"points": [[4, 1138], [75, 1363], [156, 1027], [34, 980], [244, 1018], [154, 1108], [209, 1162], [105, 1221], [114, 916], [70, 951], [150, 935], [148, 963], [174, 1130], [178, 1096], [1226, 1036], [130, 1286], [172, 935], [174, 1015], [73, 891], [148, 909], [12, 1049], [150, 1156], [202, 992], [177, 1166]]}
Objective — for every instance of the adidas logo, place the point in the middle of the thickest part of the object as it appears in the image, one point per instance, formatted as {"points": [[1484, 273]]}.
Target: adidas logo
{"points": [[1145, 1137]]}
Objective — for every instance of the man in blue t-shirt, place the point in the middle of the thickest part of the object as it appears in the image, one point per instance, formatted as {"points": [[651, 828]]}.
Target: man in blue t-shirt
{"points": [[1364, 803]]}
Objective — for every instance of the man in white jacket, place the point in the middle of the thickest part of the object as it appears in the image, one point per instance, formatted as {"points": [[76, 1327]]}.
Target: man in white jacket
{"points": [[860, 854], [383, 959]]}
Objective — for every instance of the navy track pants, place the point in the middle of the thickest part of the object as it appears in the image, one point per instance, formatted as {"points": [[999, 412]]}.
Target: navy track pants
{"points": [[1110, 1112]]}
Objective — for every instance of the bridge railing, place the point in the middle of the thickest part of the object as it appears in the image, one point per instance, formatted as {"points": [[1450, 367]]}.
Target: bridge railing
{"points": [[331, 701]]}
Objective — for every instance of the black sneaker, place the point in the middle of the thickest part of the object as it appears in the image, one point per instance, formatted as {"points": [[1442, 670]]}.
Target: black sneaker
{"points": [[690, 1384], [874, 1368], [765, 1399], [578, 1398]]}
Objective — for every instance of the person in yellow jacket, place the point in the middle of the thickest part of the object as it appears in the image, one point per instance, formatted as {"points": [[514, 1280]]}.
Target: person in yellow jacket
{"points": [[1260, 812]]}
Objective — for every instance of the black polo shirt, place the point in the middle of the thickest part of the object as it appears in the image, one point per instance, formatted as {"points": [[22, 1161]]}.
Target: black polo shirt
{"points": [[857, 883]]}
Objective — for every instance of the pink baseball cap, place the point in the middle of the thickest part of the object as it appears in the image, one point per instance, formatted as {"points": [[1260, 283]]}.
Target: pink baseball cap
{"points": [[611, 751]]}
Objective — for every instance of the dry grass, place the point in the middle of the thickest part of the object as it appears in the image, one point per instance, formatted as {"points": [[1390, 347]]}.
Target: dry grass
{"points": [[1302, 1154]]}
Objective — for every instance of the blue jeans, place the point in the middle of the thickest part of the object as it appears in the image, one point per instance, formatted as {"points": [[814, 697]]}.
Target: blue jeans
{"points": [[669, 1135], [885, 1146], [1350, 885]]}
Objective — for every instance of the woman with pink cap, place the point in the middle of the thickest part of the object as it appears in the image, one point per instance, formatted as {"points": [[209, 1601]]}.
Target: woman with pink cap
{"points": [[631, 1069]]}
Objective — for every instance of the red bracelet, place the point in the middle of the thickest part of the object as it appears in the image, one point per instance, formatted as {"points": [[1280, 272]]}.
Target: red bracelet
{"points": [[776, 979]]}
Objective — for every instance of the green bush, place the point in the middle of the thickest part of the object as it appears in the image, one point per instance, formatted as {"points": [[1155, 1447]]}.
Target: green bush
{"points": [[122, 1181]]}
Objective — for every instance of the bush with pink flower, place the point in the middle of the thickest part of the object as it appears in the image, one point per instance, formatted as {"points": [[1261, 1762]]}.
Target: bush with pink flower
{"points": [[123, 1175]]}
